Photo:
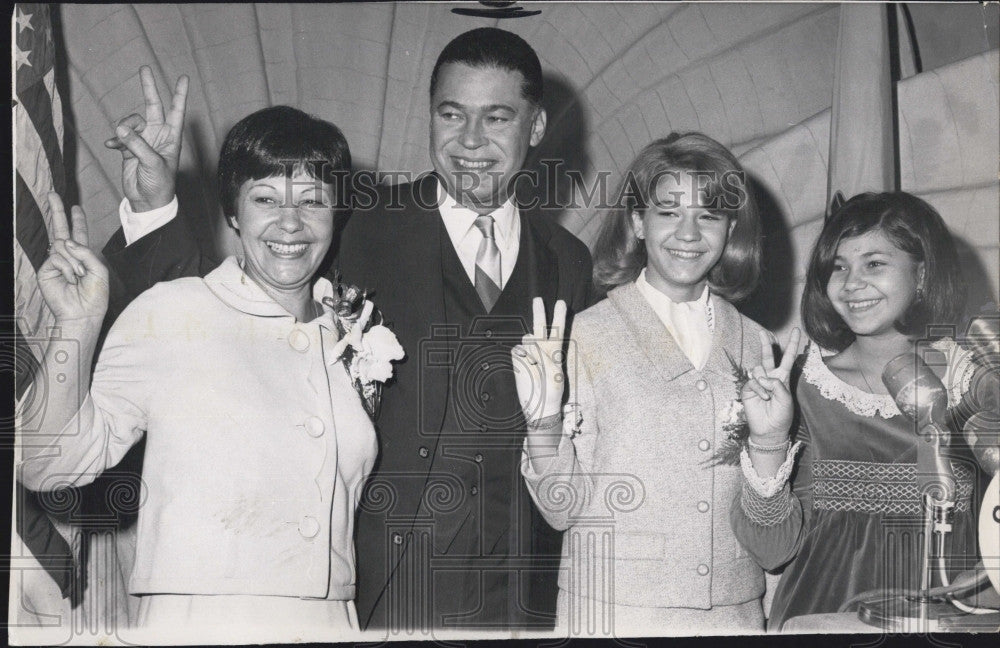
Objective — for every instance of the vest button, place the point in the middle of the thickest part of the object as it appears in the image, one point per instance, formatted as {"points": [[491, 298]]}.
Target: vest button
{"points": [[479, 457], [314, 426], [423, 452], [308, 527], [474, 490], [704, 445], [702, 507], [298, 340], [701, 385], [484, 428], [485, 366], [489, 333], [397, 539], [486, 397], [703, 570]]}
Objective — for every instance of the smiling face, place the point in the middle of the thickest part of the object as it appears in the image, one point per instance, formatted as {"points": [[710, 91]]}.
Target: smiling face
{"points": [[285, 226], [873, 283], [481, 129], [683, 240]]}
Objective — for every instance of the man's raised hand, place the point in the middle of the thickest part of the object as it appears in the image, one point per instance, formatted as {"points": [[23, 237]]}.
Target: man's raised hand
{"points": [[151, 146]]}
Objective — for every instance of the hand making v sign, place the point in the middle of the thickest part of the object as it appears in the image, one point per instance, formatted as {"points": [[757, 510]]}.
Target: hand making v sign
{"points": [[151, 146]]}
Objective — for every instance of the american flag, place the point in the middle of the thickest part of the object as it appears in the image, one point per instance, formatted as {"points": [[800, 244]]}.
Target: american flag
{"points": [[38, 154], [38, 151]]}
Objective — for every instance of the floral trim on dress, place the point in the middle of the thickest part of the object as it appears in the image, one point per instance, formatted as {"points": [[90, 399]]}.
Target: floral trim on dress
{"points": [[957, 378]]}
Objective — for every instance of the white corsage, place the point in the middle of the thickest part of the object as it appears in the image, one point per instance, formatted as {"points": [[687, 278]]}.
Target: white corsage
{"points": [[732, 421], [366, 350]]}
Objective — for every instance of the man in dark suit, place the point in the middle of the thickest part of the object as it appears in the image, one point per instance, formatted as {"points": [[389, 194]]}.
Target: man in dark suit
{"points": [[447, 534]]}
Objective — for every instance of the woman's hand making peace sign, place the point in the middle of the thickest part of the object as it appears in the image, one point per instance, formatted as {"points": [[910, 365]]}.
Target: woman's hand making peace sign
{"points": [[767, 398], [73, 280]]}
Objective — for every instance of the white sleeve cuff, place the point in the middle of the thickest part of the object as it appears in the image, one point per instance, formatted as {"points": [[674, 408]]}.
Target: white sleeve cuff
{"points": [[769, 487], [135, 225]]}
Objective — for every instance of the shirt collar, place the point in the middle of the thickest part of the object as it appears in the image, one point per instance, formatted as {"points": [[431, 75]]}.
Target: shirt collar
{"points": [[459, 220], [656, 297], [233, 287]]}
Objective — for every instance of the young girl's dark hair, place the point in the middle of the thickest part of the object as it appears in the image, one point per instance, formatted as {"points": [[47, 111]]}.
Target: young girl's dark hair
{"points": [[619, 256], [277, 141], [914, 227]]}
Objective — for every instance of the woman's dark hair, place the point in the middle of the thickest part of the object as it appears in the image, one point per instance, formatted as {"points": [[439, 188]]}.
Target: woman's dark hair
{"points": [[277, 141], [492, 47], [619, 256], [914, 227]]}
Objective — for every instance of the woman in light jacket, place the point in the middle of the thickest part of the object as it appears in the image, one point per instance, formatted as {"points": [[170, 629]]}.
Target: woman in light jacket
{"points": [[257, 442], [643, 478]]}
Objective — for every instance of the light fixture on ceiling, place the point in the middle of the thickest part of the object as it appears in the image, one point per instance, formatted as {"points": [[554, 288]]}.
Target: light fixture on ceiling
{"points": [[496, 9]]}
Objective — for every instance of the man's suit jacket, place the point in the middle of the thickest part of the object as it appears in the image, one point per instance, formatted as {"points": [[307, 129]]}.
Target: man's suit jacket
{"points": [[394, 250]]}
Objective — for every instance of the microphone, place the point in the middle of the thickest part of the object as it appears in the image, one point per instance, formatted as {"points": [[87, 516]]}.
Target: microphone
{"points": [[982, 430], [922, 398]]}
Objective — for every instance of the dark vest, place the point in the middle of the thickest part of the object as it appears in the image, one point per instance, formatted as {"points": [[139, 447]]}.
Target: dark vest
{"points": [[485, 525]]}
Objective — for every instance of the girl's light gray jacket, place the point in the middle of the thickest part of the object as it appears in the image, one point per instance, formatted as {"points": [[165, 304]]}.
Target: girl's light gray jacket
{"points": [[646, 520]]}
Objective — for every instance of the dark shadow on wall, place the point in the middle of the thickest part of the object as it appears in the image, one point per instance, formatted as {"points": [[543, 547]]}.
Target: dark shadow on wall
{"points": [[981, 290], [560, 152], [772, 303]]}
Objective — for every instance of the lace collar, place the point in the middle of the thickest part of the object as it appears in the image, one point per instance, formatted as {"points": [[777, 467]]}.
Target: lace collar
{"points": [[958, 377]]}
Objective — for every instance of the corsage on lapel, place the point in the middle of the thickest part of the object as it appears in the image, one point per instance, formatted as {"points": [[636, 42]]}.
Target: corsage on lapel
{"points": [[734, 422], [366, 347]]}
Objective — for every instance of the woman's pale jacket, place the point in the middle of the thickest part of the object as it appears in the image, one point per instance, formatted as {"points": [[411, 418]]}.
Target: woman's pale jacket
{"points": [[257, 445], [646, 518]]}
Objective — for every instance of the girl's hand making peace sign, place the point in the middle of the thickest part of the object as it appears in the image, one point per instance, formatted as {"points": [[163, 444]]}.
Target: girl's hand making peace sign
{"points": [[767, 399], [538, 364]]}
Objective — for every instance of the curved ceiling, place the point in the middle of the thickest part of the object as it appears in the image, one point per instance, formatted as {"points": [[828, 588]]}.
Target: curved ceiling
{"points": [[756, 76]]}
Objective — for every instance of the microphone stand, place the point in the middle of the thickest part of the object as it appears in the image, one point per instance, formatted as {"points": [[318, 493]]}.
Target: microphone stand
{"points": [[922, 398]]}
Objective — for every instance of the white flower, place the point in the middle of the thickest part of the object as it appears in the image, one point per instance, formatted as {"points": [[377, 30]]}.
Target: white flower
{"points": [[379, 347], [733, 413]]}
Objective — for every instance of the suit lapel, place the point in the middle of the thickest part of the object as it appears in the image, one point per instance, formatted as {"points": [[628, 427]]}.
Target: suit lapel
{"points": [[420, 282], [540, 263], [420, 254], [648, 333]]}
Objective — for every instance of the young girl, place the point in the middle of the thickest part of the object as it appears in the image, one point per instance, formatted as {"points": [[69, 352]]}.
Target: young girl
{"points": [[883, 270], [648, 546]]}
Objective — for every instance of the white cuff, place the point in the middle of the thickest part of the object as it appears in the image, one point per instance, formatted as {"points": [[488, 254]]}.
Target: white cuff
{"points": [[769, 487], [135, 225]]}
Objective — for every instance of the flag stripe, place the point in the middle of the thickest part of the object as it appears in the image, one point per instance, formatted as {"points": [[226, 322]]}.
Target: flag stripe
{"points": [[32, 166], [50, 86], [37, 105], [25, 369], [57, 115], [34, 316], [30, 228]]}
